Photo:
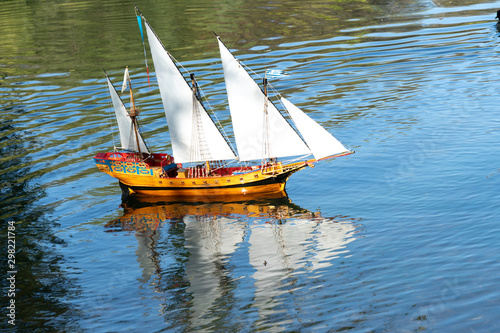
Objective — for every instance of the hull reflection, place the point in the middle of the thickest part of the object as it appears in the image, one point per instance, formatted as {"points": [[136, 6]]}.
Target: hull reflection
{"points": [[210, 258]]}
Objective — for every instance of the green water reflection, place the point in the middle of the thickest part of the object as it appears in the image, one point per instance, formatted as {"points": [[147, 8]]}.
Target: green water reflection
{"points": [[83, 36]]}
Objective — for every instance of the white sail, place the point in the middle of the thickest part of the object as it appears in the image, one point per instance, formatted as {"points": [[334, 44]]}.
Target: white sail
{"points": [[319, 140], [193, 134], [125, 126], [254, 139]]}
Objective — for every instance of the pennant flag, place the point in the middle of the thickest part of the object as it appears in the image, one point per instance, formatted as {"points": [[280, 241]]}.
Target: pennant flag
{"points": [[139, 21], [140, 27], [126, 78]]}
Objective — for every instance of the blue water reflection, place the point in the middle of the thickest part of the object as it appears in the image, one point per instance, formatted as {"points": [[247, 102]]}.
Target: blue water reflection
{"points": [[214, 262]]}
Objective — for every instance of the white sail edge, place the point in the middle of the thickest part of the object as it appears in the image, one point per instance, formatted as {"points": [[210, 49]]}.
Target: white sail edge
{"points": [[320, 141], [246, 104], [125, 126], [178, 104]]}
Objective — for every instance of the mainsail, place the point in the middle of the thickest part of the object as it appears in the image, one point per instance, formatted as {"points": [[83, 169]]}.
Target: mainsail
{"points": [[319, 140], [193, 134], [257, 136], [127, 136]]}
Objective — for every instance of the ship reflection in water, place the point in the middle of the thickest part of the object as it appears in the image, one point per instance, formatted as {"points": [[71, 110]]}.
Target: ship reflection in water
{"points": [[211, 261]]}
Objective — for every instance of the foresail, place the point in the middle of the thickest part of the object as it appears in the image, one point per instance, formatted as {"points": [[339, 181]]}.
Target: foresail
{"points": [[319, 140], [125, 126], [193, 134], [246, 103]]}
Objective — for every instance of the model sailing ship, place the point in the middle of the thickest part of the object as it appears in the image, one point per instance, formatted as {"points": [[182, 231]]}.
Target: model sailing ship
{"points": [[203, 162]]}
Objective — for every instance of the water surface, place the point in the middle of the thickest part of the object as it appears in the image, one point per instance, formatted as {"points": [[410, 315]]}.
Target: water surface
{"points": [[400, 237]]}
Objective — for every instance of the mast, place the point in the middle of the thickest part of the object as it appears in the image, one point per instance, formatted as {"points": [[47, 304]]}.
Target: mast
{"points": [[130, 138], [266, 139], [199, 149], [134, 112]]}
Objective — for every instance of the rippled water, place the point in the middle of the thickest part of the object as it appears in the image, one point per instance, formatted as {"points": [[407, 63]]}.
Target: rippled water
{"points": [[401, 236]]}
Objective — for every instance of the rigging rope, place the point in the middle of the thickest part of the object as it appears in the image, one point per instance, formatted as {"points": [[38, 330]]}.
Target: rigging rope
{"points": [[202, 95], [139, 21]]}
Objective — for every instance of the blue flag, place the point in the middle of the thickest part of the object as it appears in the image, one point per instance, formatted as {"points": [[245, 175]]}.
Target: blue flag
{"points": [[140, 26]]}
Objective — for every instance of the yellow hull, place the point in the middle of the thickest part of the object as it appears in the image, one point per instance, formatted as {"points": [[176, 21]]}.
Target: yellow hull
{"points": [[140, 178], [208, 192]]}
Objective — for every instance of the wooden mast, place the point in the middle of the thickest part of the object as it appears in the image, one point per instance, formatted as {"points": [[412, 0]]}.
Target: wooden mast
{"points": [[266, 143], [134, 112], [196, 97]]}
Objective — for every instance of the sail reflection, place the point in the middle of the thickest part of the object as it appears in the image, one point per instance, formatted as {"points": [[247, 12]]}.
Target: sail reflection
{"points": [[208, 258]]}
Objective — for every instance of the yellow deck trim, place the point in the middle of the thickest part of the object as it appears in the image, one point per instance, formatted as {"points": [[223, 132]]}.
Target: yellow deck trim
{"points": [[156, 185]]}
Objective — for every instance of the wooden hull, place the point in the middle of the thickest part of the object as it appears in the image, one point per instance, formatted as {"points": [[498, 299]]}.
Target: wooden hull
{"points": [[208, 191], [150, 178]]}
